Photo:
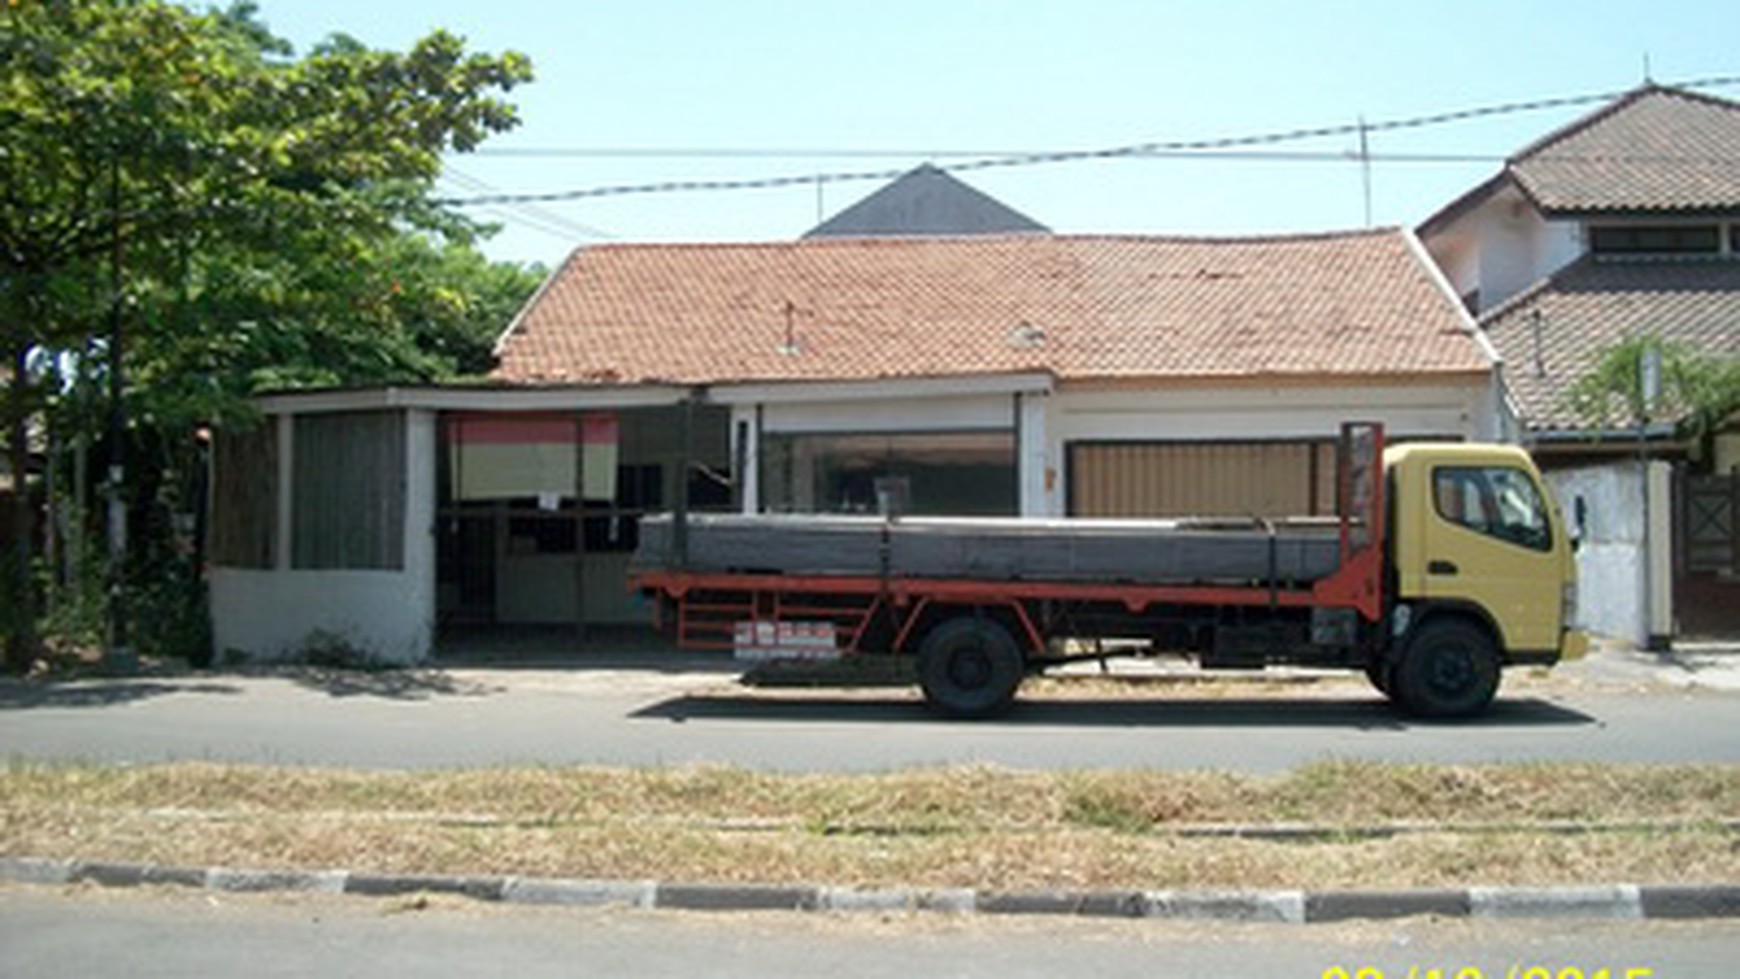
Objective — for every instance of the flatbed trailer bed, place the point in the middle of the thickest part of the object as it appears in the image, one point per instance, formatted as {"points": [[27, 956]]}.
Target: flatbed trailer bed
{"points": [[1152, 552]]}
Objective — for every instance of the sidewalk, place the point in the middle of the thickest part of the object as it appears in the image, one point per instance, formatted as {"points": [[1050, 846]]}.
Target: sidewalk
{"points": [[1691, 663]]}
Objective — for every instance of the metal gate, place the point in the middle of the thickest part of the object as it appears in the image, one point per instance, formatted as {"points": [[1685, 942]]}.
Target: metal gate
{"points": [[1710, 524]]}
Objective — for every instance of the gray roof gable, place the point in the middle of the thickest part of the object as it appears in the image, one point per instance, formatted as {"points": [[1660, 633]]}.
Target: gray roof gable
{"points": [[926, 201]]}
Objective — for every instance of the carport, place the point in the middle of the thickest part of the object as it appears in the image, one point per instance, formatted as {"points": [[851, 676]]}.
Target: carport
{"points": [[371, 520]]}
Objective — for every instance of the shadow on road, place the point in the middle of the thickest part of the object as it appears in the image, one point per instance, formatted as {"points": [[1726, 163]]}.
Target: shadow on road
{"points": [[100, 693], [1220, 712], [388, 684]]}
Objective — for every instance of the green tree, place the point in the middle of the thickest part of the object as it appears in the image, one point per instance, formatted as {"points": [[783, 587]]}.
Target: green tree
{"points": [[232, 207], [1699, 389]]}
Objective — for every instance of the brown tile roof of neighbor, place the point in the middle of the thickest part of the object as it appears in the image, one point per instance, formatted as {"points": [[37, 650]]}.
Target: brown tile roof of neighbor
{"points": [[1655, 149], [1592, 305], [1341, 305]]}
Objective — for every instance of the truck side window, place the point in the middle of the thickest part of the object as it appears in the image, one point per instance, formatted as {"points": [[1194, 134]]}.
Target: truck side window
{"points": [[1493, 500]]}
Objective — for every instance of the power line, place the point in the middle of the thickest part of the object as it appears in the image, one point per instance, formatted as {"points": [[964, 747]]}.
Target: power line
{"points": [[529, 215], [1154, 149]]}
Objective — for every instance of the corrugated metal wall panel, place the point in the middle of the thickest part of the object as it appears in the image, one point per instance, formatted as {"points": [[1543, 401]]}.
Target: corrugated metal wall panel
{"points": [[244, 497], [1207, 479], [349, 483]]}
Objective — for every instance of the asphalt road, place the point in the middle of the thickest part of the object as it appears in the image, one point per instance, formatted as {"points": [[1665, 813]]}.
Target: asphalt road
{"points": [[676, 711], [46, 932]]}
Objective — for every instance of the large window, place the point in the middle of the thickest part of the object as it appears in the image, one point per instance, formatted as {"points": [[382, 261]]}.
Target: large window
{"points": [[934, 473], [1493, 500]]}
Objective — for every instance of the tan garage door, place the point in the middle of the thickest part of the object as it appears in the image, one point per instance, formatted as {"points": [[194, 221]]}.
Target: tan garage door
{"points": [[1206, 479]]}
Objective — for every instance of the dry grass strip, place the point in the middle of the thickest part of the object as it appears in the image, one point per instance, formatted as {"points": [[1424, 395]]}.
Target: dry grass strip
{"points": [[954, 827]]}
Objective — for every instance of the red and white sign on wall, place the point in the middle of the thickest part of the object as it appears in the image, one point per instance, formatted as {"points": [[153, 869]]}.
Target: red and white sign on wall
{"points": [[508, 455]]}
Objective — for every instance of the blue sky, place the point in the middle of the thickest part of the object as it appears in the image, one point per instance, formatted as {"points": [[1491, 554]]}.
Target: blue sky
{"points": [[929, 79]]}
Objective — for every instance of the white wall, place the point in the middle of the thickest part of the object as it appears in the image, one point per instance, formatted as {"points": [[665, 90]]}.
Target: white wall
{"points": [[1048, 422], [1727, 453], [929, 413], [389, 615], [1504, 246], [1610, 571]]}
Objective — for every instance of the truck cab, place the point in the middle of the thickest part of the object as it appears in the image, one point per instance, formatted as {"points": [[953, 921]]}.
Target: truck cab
{"points": [[1482, 575]]}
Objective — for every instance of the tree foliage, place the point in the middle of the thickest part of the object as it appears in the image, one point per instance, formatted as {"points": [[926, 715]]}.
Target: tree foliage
{"points": [[251, 219], [1700, 389]]}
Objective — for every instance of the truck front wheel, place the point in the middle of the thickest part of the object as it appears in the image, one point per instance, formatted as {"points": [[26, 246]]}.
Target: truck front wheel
{"points": [[969, 667], [1449, 669]]}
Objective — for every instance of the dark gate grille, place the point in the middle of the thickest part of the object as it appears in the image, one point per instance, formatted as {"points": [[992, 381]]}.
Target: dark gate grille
{"points": [[1710, 524]]}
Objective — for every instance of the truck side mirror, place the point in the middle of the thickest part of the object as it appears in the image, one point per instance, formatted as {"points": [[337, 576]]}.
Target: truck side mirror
{"points": [[1579, 522]]}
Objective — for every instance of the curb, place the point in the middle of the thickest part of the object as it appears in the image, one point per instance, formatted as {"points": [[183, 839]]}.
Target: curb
{"points": [[1610, 901]]}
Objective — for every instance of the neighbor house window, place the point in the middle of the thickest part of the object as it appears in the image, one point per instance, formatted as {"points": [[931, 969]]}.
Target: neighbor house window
{"points": [[1650, 239], [934, 473], [348, 508]]}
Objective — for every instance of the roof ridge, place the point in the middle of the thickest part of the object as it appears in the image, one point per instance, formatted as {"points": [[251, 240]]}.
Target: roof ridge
{"points": [[1625, 101], [885, 241]]}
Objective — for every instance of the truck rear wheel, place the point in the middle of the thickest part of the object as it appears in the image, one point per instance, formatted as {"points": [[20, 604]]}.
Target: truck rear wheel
{"points": [[969, 667], [1450, 669]]}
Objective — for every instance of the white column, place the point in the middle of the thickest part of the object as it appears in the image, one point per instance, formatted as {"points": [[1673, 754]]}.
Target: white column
{"points": [[1658, 539], [746, 448], [419, 553], [1037, 478]]}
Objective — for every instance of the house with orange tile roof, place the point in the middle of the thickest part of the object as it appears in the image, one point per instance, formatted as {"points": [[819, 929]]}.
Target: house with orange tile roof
{"points": [[1623, 224], [1004, 373]]}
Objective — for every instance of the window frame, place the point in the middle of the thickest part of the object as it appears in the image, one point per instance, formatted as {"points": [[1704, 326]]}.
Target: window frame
{"points": [[1481, 475], [1627, 240]]}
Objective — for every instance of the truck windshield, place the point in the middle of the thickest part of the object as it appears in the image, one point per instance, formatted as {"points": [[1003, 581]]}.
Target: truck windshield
{"points": [[1497, 501]]}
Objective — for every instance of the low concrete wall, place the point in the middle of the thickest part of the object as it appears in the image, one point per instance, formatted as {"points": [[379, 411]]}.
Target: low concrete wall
{"points": [[275, 615], [1610, 573]]}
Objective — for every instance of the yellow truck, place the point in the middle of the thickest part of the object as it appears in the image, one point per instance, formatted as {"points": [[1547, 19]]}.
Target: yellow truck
{"points": [[1445, 564]]}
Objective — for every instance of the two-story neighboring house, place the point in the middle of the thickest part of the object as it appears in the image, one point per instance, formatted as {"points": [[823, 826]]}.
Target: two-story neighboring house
{"points": [[1625, 223]]}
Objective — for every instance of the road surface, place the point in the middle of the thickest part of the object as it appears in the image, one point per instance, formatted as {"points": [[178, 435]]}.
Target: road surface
{"points": [[676, 712], [51, 933]]}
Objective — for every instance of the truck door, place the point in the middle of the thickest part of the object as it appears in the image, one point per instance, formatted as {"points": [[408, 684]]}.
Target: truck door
{"points": [[1489, 541]]}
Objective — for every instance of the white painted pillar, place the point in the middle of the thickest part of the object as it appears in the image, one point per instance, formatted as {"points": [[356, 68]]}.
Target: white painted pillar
{"points": [[746, 449], [1037, 478], [420, 526], [1658, 540]]}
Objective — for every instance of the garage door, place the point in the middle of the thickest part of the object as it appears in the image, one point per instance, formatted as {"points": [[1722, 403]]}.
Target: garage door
{"points": [[1207, 479]]}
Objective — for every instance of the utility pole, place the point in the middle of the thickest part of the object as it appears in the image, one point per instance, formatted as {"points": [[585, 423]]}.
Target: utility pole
{"points": [[1649, 385], [120, 651], [1365, 166]]}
